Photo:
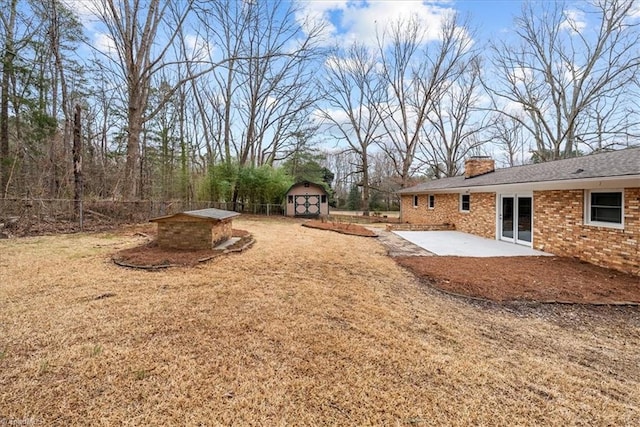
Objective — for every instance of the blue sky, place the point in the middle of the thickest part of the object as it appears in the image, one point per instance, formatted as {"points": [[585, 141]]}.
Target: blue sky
{"points": [[351, 20], [358, 20], [490, 16]]}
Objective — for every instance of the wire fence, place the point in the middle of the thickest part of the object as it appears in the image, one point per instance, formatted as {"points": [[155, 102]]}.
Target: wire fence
{"points": [[26, 216]]}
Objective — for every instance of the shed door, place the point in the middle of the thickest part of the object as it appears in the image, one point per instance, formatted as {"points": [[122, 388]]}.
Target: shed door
{"points": [[307, 205]]}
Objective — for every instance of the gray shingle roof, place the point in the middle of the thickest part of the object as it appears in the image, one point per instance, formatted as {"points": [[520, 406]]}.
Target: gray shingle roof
{"points": [[211, 213], [618, 163]]}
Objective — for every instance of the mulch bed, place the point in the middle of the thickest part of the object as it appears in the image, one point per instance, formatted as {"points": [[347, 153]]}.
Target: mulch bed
{"points": [[150, 256], [341, 227], [540, 279]]}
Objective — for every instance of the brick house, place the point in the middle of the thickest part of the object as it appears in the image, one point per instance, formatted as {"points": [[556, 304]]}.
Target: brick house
{"points": [[194, 230], [585, 207]]}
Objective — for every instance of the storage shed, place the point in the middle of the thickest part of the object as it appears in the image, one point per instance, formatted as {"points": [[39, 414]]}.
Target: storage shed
{"points": [[194, 230], [307, 199]]}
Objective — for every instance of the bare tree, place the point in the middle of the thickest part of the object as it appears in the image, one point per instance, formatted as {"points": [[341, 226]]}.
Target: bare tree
{"points": [[63, 33], [352, 91], [567, 65], [36, 37], [454, 124], [224, 26], [277, 80], [263, 93], [416, 71], [507, 134], [140, 52], [8, 21], [384, 181], [343, 164]]}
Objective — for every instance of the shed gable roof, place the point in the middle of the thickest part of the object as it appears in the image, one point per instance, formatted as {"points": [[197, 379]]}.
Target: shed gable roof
{"points": [[210, 213], [620, 163], [298, 184]]}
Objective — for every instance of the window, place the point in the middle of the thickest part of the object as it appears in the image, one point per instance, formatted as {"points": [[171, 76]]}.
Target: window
{"points": [[323, 199], [290, 199], [432, 201], [465, 202], [415, 201], [604, 208]]}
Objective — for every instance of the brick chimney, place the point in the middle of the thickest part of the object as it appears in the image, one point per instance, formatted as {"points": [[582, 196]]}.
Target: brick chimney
{"points": [[478, 165]]}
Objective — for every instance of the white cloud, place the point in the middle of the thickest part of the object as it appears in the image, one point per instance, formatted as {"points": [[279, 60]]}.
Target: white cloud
{"points": [[570, 72], [349, 21], [104, 43], [313, 13], [83, 8], [513, 108], [521, 75], [198, 49], [337, 115], [336, 63], [87, 11], [574, 21]]}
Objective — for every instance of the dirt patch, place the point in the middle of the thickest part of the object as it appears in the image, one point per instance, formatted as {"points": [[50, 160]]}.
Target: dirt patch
{"points": [[151, 256], [341, 227], [539, 279]]}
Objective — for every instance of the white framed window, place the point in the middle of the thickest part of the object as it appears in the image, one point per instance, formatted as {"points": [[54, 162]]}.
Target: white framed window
{"points": [[415, 200], [604, 208], [432, 201], [465, 202]]}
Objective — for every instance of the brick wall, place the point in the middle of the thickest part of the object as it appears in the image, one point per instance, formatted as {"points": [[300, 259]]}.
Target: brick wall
{"points": [[221, 232], [478, 166], [480, 220], [558, 225], [559, 229], [192, 234], [423, 215]]}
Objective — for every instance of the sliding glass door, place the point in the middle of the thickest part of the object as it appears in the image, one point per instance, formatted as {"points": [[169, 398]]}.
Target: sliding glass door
{"points": [[524, 210], [516, 219], [507, 222]]}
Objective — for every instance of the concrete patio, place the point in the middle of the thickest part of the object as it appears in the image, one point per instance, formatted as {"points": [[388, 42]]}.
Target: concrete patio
{"points": [[456, 243]]}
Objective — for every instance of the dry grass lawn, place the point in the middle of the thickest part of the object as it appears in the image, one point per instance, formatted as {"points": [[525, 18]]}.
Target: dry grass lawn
{"points": [[306, 328]]}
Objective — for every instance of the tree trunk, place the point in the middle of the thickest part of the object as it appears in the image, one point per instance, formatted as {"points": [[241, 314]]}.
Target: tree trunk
{"points": [[365, 184], [131, 186], [68, 127], [7, 70], [77, 164]]}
